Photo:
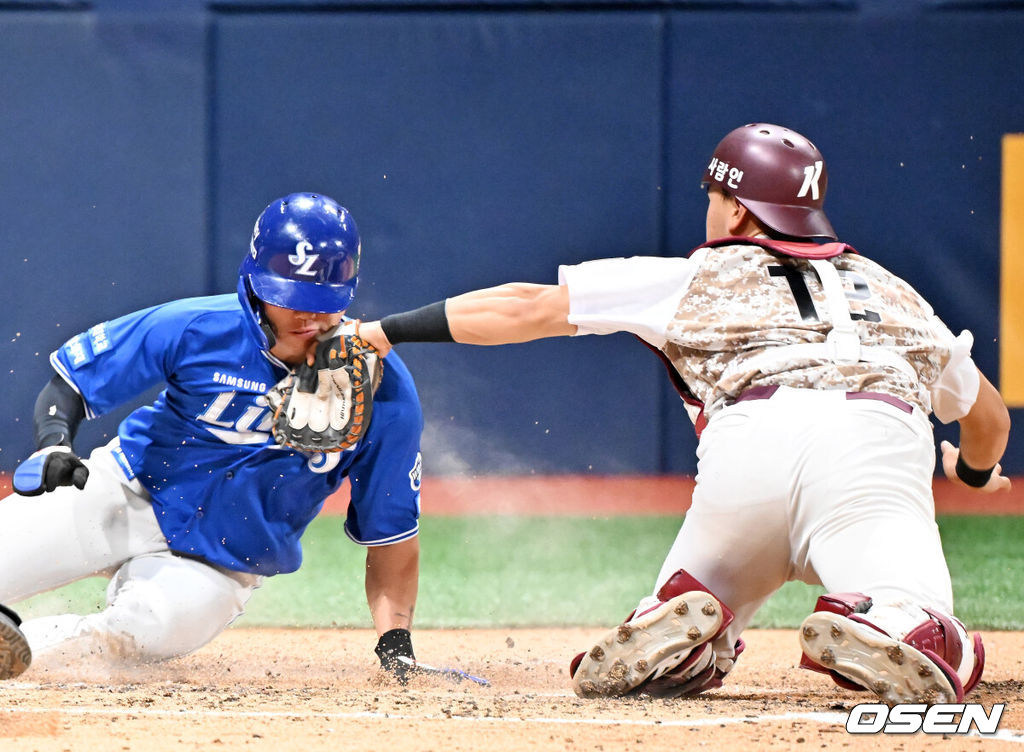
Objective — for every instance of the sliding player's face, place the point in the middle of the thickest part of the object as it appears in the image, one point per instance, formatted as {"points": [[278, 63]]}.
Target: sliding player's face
{"points": [[296, 331]]}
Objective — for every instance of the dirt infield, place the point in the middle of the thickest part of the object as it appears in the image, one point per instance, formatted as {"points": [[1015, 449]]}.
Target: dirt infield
{"points": [[280, 690], [264, 689]]}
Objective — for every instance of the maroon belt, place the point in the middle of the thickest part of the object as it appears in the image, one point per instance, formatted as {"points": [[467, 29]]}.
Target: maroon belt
{"points": [[765, 392]]}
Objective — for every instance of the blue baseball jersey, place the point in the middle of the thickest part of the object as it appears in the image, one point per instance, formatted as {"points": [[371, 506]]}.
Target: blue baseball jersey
{"points": [[222, 489]]}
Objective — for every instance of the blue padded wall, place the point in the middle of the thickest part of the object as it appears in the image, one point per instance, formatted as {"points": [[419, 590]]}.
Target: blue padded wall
{"points": [[477, 143], [102, 151], [471, 150]]}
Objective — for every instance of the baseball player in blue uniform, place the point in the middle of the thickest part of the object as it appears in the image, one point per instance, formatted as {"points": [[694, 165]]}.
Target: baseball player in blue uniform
{"points": [[194, 503], [809, 372]]}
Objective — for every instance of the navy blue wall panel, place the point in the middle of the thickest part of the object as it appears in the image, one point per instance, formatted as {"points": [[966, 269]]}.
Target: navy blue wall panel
{"points": [[472, 149], [909, 117], [103, 211], [477, 143]]}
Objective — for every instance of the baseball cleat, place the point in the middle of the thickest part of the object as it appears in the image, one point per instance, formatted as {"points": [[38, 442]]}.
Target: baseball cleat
{"points": [[893, 670], [15, 654], [647, 646]]}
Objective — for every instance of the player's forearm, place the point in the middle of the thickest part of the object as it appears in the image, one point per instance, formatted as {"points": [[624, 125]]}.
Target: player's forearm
{"points": [[392, 583], [58, 412], [985, 430], [516, 312]]}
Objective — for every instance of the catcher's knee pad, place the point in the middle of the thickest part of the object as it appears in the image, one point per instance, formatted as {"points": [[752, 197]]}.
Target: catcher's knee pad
{"points": [[663, 650]]}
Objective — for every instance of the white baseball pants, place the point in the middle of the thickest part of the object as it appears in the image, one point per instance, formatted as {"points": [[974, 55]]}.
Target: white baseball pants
{"points": [[159, 604], [808, 485]]}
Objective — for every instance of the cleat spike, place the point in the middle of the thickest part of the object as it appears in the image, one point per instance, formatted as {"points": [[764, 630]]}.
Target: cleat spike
{"points": [[895, 654], [617, 671]]}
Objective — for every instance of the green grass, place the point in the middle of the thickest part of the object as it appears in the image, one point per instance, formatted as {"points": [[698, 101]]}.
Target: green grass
{"points": [[986, 559], [546, 571]]}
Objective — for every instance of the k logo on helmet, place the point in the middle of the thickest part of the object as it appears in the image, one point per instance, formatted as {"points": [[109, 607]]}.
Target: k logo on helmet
{"points": [[812, 173]]}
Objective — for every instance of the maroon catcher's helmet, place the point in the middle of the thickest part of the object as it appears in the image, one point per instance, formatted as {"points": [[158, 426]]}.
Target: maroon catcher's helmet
{"points": [[777, 174]]}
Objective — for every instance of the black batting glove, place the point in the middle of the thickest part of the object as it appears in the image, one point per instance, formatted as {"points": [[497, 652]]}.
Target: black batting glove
{"points": [[49, 468], [394, 648]]}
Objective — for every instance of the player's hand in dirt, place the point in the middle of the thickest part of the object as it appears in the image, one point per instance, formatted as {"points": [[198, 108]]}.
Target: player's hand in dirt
{"points": [[394, 648]]}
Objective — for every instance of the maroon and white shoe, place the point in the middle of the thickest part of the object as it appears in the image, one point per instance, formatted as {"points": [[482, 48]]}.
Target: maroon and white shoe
{"points": [[649, 645], [894, 670]]}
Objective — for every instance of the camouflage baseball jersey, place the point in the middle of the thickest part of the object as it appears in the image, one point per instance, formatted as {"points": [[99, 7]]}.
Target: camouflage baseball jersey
{"points": [[745, 302]]}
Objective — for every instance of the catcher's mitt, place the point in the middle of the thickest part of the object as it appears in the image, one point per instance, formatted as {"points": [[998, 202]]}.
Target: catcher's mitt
{"points": [[327, 407]]}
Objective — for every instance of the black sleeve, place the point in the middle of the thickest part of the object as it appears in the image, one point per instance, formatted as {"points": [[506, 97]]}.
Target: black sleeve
{"points": [[426, 324], [59, 409]]}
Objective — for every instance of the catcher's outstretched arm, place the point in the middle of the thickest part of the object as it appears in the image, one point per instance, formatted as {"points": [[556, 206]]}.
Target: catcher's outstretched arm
{"points": [[514, 312]]}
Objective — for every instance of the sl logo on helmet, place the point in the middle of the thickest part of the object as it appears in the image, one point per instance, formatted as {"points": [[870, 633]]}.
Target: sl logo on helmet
{"points": [[301, 260]]}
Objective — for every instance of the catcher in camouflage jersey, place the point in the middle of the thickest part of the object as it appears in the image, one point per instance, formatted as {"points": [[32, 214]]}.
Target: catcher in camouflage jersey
{"points": [[809, 372]]}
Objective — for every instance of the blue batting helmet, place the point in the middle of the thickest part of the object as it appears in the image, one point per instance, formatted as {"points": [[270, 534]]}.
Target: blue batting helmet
{"points": [[304, 255]]}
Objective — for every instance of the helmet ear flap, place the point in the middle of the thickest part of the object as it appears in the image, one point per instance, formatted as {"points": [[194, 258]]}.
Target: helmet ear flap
{"points": [[260, 315], [268, 329]]}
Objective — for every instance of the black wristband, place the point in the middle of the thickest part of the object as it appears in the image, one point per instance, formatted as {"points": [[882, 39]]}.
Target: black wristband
{"points": [[426, 324], [970, 476]]}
